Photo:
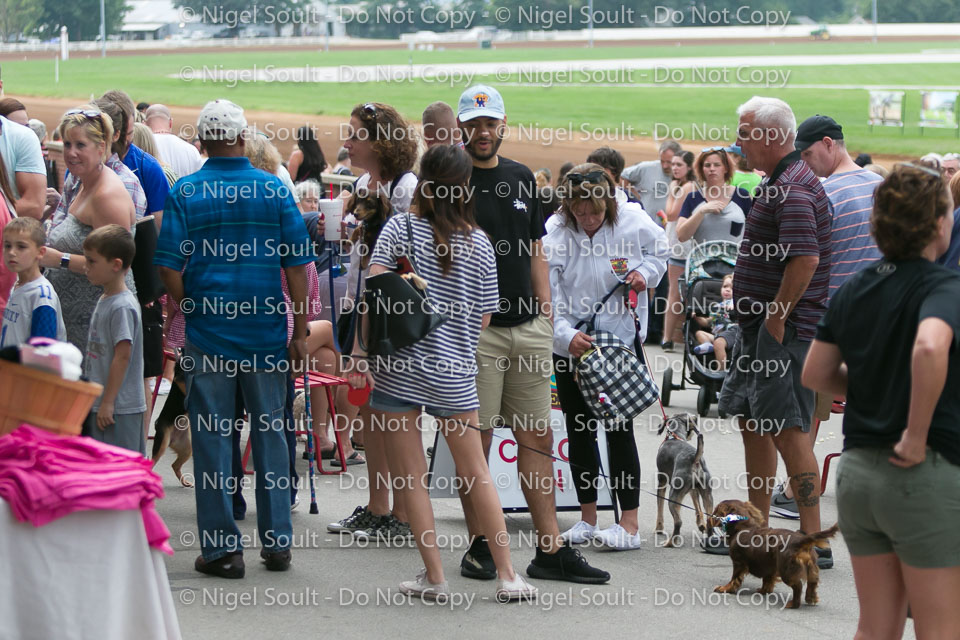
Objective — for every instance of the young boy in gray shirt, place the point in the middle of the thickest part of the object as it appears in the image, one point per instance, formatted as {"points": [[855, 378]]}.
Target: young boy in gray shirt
{"points": [[115, 344]]}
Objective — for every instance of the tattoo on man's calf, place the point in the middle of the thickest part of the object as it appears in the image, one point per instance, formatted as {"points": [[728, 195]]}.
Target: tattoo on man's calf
{"points": [[806, 489]]}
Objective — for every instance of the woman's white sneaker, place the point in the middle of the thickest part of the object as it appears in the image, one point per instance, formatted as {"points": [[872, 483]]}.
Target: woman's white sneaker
{"points": [[424, 589], [618, 538], [516, 589], [580, 533]]}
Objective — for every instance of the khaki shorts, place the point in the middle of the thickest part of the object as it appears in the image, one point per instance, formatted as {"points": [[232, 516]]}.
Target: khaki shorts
{"points": [[824, 407], [914, 513], [513, 379]]}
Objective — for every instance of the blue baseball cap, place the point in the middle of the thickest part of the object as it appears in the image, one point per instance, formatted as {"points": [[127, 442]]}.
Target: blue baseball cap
{"points": [[480, 101]]}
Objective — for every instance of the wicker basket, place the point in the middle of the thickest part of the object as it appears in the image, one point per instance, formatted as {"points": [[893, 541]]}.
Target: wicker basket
{"points": [[43, 400]]}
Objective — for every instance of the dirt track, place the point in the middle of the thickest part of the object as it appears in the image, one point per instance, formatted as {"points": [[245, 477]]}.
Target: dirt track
{"points": [[282, 126]]}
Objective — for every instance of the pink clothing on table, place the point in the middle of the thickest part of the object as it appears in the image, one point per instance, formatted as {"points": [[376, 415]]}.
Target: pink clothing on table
{"points": [[45, 476], [314, 307]]}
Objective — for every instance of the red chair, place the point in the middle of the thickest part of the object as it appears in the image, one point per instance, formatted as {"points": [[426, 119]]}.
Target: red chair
{"points": [[316, 380], [838, 406]]}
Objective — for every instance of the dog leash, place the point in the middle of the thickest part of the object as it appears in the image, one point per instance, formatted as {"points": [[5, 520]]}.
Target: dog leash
{"points": [[570, 463]]}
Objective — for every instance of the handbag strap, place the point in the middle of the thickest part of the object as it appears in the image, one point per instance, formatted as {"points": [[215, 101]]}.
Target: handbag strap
{"points": [[598, 306]]}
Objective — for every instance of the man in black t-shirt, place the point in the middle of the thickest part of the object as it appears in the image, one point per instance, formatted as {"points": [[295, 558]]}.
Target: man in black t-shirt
{"points": [[514, 355]]}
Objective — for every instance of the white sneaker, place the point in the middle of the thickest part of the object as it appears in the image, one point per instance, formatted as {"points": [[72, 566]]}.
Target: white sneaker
{"points": [[580, 533], [618, 538], [296, 503], [164, 387], [516, 589], [424, 589]]}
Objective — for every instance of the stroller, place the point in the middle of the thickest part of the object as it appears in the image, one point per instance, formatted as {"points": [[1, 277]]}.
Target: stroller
{"points": [[706, 266]]}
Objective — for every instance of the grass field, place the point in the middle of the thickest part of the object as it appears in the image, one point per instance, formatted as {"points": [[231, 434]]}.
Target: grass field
{"points": [[699, 113]]}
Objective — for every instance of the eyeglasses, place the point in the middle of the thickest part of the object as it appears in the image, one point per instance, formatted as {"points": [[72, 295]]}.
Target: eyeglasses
{"points": [[89, 113], [593, 177]]}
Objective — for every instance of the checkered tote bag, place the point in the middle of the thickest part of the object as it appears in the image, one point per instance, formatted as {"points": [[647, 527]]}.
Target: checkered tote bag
{"points": [[615, 383]]}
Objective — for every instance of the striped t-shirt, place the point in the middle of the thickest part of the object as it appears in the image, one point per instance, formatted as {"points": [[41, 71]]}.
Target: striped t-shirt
{"points": [[790, 217], [851, 200], [440, 370]]}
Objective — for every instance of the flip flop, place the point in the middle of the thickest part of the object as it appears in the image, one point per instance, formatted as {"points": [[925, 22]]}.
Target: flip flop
{"points": [[356, 445], [352, 459], [325, 454]]}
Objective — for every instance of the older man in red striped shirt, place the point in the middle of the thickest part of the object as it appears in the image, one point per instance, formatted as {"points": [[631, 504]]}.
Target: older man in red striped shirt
{"points": [[780, 292]]}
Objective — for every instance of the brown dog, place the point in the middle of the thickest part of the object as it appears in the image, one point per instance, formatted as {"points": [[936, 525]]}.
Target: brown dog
{"points": [[172, 427], [769, 553]]}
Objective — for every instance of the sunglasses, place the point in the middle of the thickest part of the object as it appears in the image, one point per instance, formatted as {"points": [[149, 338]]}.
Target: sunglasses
{"points": [[593, 177], [369, 111], [712, 149], [928, 170], [88, 113]]}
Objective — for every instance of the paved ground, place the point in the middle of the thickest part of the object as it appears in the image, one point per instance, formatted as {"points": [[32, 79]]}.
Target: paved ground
{"points": [[338, 589]]}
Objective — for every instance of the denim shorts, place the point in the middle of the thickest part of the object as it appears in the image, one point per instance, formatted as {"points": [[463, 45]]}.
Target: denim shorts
{"points": [[391, 404], [914, 512]]}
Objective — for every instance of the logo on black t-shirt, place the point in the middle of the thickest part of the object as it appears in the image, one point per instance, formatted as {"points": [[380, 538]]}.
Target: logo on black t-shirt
{"points": [[886, 268], [519, 205]]}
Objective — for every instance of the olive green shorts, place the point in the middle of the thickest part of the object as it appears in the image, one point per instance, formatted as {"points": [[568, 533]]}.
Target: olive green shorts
{"points": [[514, 365], [914, 513]]}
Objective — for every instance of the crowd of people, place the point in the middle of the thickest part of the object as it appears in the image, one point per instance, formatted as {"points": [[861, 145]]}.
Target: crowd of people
{"points": [[845, 288]]}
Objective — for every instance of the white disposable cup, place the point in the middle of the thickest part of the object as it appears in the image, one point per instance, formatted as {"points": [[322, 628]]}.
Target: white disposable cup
{"points": [[332, 211]]}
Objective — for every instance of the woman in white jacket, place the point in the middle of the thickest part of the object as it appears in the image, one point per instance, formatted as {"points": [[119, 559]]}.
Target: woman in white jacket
{"points": [[592, 244]]}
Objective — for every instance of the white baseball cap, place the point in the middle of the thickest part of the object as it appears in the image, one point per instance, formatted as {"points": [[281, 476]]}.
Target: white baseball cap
{"points": [[480, 101], [221, 120]]}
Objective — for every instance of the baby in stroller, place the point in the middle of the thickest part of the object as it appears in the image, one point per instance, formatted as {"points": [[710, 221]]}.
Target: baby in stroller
{"points": [[719, 333]]}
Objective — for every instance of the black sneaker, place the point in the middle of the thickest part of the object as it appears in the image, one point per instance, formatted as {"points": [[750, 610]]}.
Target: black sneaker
{"points": [[276, 560], [716, 544], [388, 529], [667, 346], [477, 563], [361, 518], [566, 564], [228, 566], [824, 558]]}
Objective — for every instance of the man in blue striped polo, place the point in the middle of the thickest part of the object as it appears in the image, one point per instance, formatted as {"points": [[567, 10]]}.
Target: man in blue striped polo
{"points": [[231, 229], [850, 192]]}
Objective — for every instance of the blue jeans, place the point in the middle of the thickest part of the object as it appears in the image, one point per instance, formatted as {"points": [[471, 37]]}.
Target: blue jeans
{"points": [[211, 405]]}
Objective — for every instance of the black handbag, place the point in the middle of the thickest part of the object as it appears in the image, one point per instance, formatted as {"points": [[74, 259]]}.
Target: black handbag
{"points": [[146, 276], [398, 314]]}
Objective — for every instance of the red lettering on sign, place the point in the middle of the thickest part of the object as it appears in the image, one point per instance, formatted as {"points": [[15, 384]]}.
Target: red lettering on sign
{"points": [[503, 456], [562, 450]]}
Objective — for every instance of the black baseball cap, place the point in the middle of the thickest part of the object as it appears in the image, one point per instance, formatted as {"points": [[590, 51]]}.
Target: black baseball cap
{"points": [[816, 128]]}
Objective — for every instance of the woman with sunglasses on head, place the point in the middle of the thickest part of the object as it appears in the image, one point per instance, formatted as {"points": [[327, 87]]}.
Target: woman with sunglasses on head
{"points": [[898, 501], [94, 198], [384, 146], [447, 248], [592, 244], [715, 209], [684, 181]]}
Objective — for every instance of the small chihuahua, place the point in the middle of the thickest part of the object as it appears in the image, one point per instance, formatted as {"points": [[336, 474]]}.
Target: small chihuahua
{"points": [[682, 467]]}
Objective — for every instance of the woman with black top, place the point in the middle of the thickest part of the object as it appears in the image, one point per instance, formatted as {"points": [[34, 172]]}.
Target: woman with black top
{"points": [[890, 343], [306, 162]]}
